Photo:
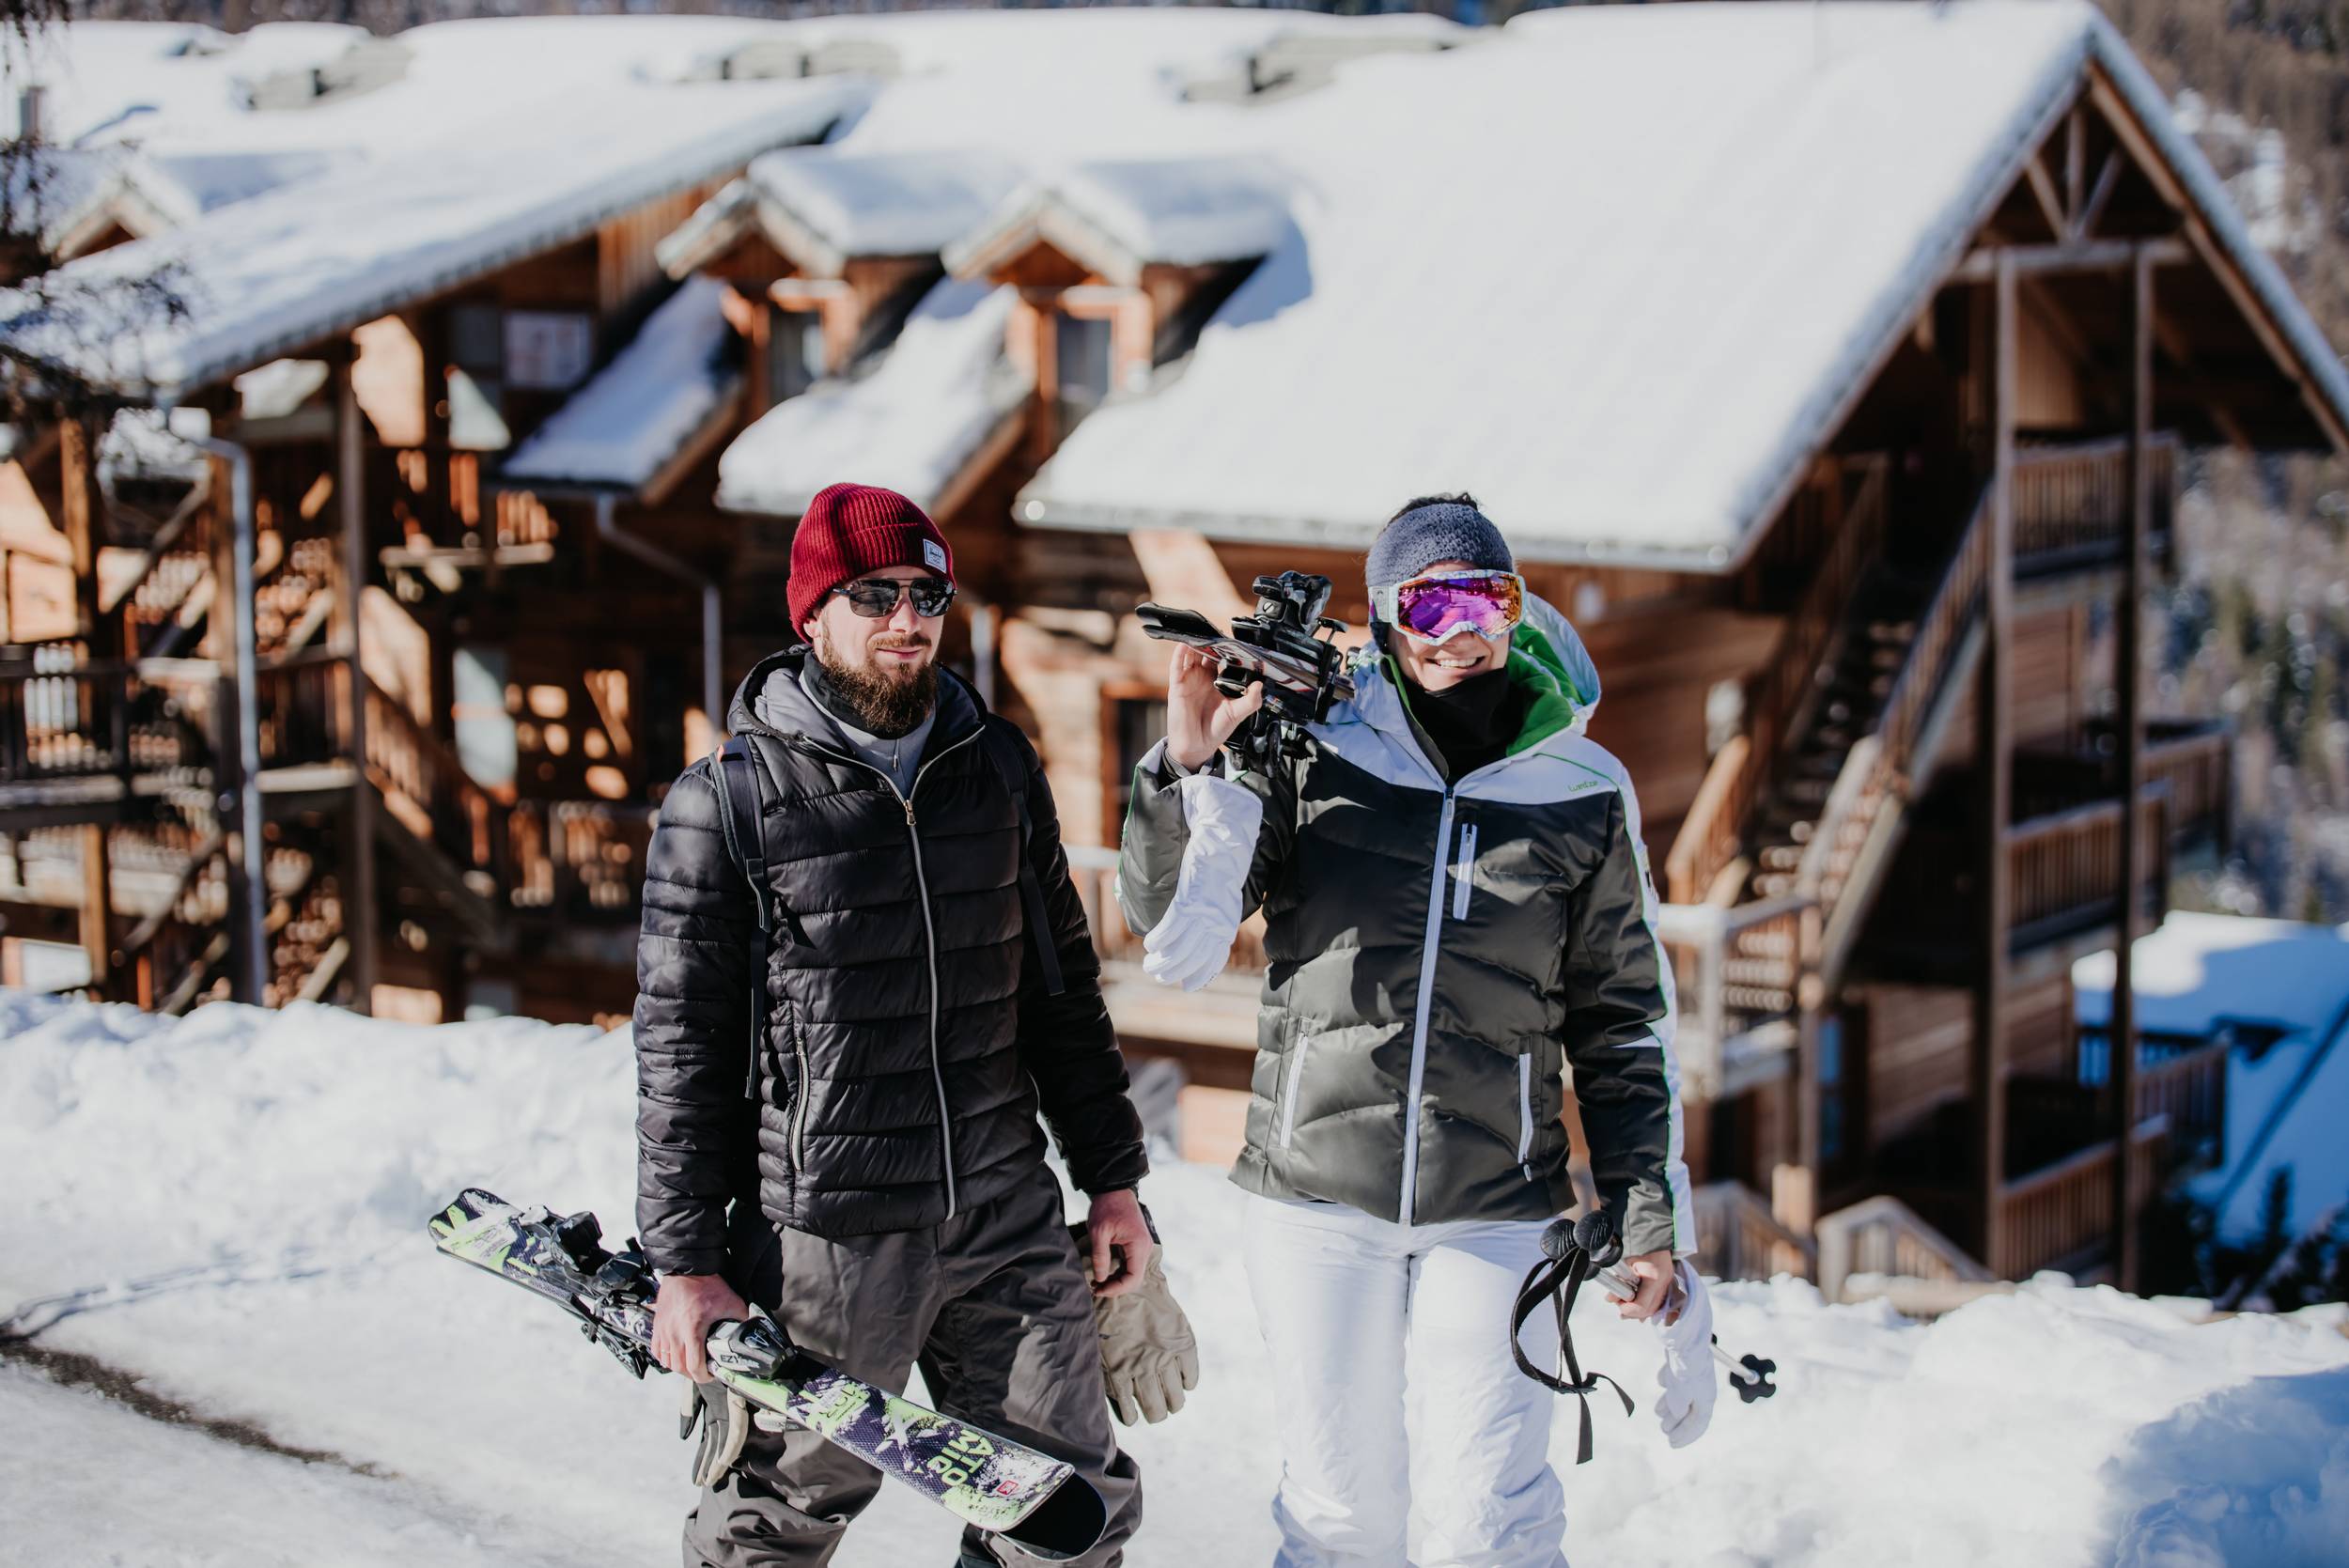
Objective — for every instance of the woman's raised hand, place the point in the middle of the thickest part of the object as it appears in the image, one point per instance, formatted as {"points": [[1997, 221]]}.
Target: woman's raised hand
{"points": [[1199, 718]]}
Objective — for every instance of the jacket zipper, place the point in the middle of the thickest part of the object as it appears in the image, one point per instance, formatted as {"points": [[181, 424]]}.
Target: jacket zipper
{"points": [[1524, 1114], [1296, 1078], [1419, 1014], [929, 933], [799, 1106], [1460, 873]]}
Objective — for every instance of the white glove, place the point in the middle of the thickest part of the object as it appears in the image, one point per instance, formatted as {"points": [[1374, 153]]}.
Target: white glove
{"points": [[1189, 943], [1690, 1380]]}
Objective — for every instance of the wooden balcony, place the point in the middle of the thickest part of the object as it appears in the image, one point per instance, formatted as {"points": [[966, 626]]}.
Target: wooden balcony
{"points": [[2071, 503], [2062, 1214]]}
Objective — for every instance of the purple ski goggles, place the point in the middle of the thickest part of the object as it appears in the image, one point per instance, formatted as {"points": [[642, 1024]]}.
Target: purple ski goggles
{"points": [[1438, 605]]}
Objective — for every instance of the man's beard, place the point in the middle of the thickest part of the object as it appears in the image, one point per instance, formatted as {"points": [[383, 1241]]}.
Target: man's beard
{"points": [[886, 702]]}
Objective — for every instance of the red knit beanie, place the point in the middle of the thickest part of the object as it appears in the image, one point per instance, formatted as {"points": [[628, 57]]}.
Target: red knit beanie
{"points": [[850, 530]]}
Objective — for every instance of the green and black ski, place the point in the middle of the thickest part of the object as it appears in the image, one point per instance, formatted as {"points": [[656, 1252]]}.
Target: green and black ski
{"points": [[986, 1481]]}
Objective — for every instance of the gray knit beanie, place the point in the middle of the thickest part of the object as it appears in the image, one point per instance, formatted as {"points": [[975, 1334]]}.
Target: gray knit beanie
{"points": [[1446, 529]]}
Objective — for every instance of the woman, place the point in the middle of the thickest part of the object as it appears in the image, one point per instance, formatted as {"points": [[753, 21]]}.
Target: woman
{"points": [[1458, 916]]}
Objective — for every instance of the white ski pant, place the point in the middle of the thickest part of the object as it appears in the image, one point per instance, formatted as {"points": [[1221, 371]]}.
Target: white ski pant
{"points": [[1348, 1304]]}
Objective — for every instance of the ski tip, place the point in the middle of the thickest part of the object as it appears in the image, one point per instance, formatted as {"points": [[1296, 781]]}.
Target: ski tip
{"points": [[466, 1208], [1069, 1523]]}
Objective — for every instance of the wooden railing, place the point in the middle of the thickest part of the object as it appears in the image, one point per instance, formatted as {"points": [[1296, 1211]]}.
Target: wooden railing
{"points": [[2190, 1092], [427, 789], [1739, 1239], [1777, 695], [2065, 1209], [2196, 762], [1734, 973], [1884, 1235], [2071, 502], [2069, 864]]}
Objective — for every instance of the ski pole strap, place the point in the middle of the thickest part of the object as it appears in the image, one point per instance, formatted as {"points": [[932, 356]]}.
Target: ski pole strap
{"points": [[1558, 1281], [746, 841]]}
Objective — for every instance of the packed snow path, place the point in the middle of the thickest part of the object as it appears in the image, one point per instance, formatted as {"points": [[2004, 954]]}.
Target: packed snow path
{"points": [[230, 1207]]}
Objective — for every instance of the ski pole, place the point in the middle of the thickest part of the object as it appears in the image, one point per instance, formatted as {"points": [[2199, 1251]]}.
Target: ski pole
{"points": [[1748, 1374]]}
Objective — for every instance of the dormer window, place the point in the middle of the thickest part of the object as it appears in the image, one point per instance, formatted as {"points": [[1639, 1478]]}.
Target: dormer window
{"points": [[796, 355], [1082, 360], [476, 377]]}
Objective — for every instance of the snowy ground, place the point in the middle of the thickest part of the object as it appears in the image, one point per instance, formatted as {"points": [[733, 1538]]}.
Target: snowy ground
{"points": [[230, 1207]]}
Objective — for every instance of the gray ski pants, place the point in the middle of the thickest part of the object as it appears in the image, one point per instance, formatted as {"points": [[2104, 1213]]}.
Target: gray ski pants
{"points": [[992, 1304]]}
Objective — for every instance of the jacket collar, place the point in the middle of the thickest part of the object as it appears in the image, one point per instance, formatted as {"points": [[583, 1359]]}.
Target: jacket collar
{"points": [[959, 710]]}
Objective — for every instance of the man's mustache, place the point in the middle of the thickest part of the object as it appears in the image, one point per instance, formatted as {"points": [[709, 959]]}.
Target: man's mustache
{"points": [[905, 642]]}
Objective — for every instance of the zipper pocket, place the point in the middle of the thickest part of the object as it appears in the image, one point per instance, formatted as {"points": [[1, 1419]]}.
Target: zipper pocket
{"points": [[799, 1100], [1461, 869], [1296, 1081], [1524, 1114]]}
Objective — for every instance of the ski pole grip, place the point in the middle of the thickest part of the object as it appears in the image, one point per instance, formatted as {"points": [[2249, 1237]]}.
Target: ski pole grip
{"points": [[1595, 1236]]}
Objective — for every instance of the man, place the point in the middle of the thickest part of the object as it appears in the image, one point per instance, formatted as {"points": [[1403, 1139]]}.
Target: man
{"points": [[891, 1202]]}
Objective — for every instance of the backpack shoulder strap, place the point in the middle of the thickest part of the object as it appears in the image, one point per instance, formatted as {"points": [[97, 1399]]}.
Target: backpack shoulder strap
{"points": [[734, 770], [1012, 769]]}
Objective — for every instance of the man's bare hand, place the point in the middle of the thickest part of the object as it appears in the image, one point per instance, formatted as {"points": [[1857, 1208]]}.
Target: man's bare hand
{"points": [[1199, 718], [1654, 1270], [684, 1312], [1115, 1222]]}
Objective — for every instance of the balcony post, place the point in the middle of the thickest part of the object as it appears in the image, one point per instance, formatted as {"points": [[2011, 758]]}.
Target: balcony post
{"points": [[1994, 756], [2129, 677], [359, 820]]}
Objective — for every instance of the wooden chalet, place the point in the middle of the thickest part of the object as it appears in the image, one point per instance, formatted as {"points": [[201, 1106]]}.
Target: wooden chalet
{"points": [[1847, 438]]}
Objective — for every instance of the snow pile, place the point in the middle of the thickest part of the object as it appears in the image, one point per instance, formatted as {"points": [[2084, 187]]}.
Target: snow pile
{"points": [[639, 411], [912, 424], [231, 1207]]}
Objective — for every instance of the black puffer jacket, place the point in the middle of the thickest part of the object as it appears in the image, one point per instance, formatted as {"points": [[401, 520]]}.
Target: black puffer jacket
{"points": [[909, 1041]]}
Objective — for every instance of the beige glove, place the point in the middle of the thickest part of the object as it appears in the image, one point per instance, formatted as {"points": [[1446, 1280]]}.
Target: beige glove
{"points": [[1148, 1354]]}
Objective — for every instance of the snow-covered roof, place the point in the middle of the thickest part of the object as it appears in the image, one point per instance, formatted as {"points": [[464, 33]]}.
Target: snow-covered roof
{"points": [[819, 207], [638, 413], [506, 138], [1116, 218], [1620, 272], [912, 423], [2195, 971]]}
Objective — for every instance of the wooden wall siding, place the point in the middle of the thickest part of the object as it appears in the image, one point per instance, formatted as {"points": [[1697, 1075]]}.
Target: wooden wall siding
{"points": [[750, 264], [1059, 675], [2058, 683], [1918, 1037], [2048, 381], [35, 563], [388, 379], [2039, 1024], [1918, 1041], [625, 266]]}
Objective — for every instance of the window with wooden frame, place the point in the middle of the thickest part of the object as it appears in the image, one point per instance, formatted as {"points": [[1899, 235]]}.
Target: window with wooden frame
{"points": [[797, 357], [1133, 720], [476, 377], [1081, 361]]}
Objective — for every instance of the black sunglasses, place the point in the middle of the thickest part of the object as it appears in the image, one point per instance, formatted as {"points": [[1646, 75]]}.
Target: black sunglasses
{"points": [[876, 596]]}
